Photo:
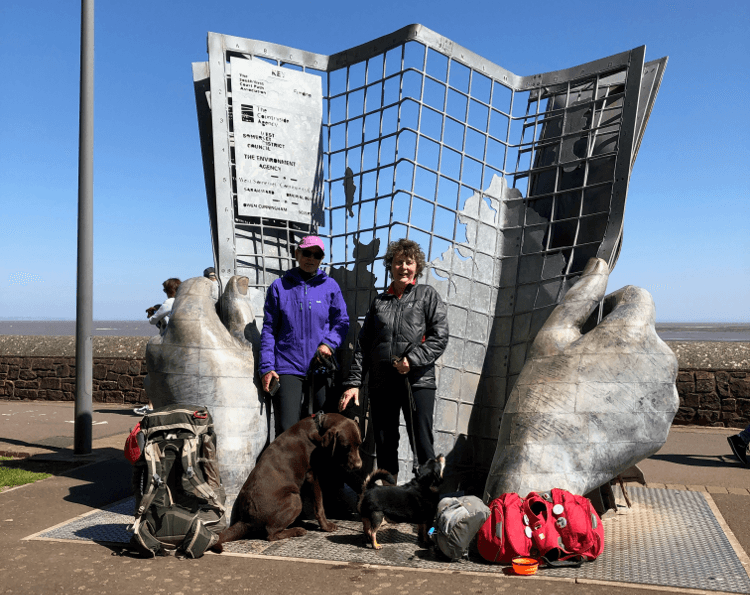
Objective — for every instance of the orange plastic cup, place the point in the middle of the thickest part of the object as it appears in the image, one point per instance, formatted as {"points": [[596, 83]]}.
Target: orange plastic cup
{"points": [[525, 566]]}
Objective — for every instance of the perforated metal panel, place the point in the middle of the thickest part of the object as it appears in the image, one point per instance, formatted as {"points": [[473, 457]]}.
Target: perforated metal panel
{"points": [[509, 183]]}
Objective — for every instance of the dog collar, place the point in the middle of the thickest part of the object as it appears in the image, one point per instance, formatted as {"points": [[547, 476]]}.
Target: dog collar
{"points": [[319, 418]]}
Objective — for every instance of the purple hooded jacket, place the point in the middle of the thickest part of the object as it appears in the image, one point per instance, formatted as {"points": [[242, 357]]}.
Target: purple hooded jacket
{"points": [[298, 316]]}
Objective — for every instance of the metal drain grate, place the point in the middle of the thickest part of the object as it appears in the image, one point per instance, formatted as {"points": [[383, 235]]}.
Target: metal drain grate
{"points": [[669, 538], [105, 526]]}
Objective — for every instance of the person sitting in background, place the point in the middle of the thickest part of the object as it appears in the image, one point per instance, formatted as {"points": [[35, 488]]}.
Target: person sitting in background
{"points": [[210, 274], [160, 317], [738, 443]]}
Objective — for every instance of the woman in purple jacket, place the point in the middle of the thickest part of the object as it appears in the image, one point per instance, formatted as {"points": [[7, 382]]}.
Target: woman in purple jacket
{"points": [[304, 317]]}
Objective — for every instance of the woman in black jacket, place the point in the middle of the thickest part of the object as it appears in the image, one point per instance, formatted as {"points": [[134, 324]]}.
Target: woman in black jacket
{"points": [[404, 333]]}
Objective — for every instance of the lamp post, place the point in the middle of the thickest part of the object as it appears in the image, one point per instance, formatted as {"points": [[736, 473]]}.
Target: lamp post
{"points": [[85, 273]]}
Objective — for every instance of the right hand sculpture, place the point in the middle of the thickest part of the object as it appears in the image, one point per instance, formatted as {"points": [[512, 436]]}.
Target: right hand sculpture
{"points": [[586, 407], [201, 361]]}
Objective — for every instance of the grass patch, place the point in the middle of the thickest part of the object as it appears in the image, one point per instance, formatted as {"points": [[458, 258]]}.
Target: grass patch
{"points": [[17, 472], [12, 474]]}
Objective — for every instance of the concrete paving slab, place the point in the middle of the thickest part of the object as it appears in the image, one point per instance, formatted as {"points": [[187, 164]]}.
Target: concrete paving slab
{"points": [[696, 456], [46, 429], [641, 544], [716, 490]]}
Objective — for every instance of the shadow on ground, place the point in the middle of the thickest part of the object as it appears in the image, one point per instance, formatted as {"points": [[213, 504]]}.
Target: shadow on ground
{"points": [[105, 475], [126, 412], [42, 464], [698, 460]]}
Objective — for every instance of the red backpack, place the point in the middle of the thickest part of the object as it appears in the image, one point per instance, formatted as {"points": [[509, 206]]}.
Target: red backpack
{"points": [[561, 528]]}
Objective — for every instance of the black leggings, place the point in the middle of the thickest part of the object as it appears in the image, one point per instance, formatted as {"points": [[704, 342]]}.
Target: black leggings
{"points": [[386, 402], [290, 403]]}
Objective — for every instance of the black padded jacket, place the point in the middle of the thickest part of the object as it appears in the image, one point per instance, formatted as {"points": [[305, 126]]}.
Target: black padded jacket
{"points": [[394, 327]]}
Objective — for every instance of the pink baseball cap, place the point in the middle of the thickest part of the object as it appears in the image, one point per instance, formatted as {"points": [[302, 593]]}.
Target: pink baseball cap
{"points": [[310, 241]]}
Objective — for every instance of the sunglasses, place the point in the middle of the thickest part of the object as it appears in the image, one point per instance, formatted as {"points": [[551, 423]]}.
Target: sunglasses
{"points": [[312, 254]]}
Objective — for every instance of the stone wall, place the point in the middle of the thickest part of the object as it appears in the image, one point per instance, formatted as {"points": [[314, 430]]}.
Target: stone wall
{"points": [[713, 382], [54, 379], [714, 398], [43, 369]]}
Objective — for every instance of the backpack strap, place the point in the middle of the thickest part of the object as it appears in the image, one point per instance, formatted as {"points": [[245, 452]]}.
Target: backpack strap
{"points": [[152, 456], [145, 542], [190, 472], [197, 540], [172, 419], [210, 464], [567, 563]]}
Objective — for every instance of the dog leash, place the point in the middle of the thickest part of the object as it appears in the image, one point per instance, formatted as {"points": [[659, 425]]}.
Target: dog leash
{"points": [[412, 437], [412, 407], [319, 365]]}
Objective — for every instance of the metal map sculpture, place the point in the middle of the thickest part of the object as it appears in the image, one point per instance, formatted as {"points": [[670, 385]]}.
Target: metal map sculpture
{"points": [[510, 184]]}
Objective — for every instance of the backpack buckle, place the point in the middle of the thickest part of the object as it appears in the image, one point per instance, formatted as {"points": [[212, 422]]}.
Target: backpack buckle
{"points": [[200, 414]]}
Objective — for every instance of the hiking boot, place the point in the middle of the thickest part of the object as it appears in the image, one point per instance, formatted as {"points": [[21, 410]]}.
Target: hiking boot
{"points": [[739, 448]]}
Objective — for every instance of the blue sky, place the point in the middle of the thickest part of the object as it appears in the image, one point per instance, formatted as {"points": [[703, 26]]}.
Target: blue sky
{"points": [[687, 236]]}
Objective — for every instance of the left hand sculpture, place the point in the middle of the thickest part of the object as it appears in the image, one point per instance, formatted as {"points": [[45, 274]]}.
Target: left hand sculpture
{"points": [[586, 407], [201, 360]]}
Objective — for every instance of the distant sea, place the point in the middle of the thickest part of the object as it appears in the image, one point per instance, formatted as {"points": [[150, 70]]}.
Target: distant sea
{"points": [[709, 331], [117, 328], [669, 331]]}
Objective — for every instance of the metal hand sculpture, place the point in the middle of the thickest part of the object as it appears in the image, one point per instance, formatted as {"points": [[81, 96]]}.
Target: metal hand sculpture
{"points": [[202, 361], [587, 406]]}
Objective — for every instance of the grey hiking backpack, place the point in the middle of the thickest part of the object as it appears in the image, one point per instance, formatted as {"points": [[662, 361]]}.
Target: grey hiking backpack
{"points": [[458, 521], [179, 499]]}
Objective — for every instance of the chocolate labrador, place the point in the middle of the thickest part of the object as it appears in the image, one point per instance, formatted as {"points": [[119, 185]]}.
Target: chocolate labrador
{"points": [[270, 499]]}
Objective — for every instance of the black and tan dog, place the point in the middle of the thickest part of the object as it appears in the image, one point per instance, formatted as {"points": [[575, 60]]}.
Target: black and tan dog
{"points": [[270, 499], [414, 502]]}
